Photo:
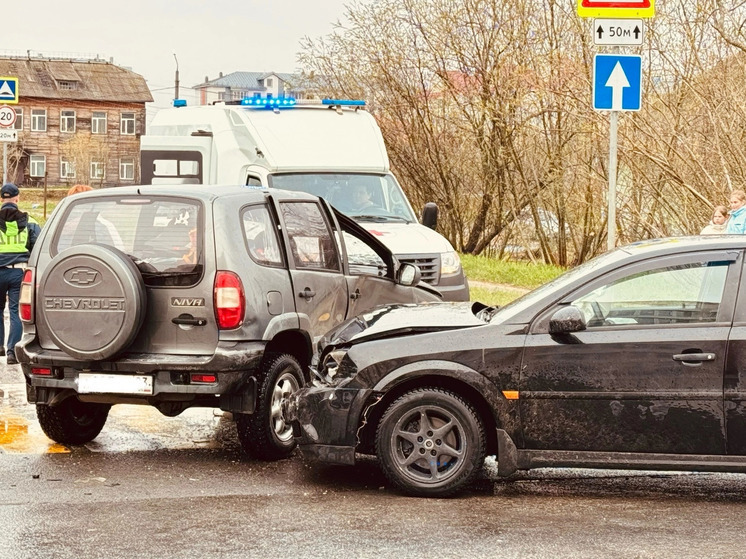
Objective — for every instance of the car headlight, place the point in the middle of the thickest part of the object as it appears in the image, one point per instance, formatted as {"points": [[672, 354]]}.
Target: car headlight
{"points": [[450, 263], [336, 367]]}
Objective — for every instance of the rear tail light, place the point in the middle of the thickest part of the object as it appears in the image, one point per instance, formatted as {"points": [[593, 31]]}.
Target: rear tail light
{"points": [[26, 299], [201, 378], [230, 302], [41, 371]]}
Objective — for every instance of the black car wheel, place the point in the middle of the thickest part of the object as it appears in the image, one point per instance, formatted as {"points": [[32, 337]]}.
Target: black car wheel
{"points": [[430, 442], [72, 421], [265, 434]]}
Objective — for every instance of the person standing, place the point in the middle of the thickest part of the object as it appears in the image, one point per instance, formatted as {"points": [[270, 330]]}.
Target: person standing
{"points": [[737, 220], [18, 233], [717, 225]]}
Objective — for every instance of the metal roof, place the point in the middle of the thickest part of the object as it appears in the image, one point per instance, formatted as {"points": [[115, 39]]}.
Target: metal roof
{"points": [[246, 80]]}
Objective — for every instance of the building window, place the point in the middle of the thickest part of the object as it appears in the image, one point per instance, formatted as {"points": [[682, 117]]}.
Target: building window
{"points": [[98, 123], [67, 85], [67, 169], [97, 170], [269, 82], [37, 165], [127, 169], [38, 120], [18, 124], [127, 123], [67, 121]]}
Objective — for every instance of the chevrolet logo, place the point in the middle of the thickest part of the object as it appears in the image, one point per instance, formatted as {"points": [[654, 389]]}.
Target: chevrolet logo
{"points": [[82, 277]]}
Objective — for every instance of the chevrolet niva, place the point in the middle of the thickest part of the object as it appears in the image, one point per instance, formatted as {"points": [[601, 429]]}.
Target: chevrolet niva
{"points": [[181, 296], [636, 360]]}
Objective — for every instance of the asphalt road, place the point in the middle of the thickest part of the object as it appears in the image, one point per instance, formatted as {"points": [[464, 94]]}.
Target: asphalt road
{"points": [[152, 486]]}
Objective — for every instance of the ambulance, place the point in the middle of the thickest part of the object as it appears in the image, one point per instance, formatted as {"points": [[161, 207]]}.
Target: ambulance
{"points": [[331, 148]]}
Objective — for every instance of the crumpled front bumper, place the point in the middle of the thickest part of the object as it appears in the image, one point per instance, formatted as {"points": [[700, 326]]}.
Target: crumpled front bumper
{"points": [[326, 420]]}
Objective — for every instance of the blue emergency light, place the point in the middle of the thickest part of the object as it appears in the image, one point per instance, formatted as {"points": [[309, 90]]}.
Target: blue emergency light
{"points": [[268, 102], [179, 102], [344, 102]]}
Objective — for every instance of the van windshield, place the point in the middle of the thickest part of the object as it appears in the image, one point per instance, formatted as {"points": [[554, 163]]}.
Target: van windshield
{"points": [[363, 197]]}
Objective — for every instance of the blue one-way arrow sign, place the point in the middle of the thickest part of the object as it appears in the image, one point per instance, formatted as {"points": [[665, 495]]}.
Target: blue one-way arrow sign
{"points": [[617, 82]]}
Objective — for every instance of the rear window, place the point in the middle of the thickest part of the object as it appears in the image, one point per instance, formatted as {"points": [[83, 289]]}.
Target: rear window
{"points": [[162, 235]]}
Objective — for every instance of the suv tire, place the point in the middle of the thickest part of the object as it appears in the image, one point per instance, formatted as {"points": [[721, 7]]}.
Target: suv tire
{"points": [[72, 421], [93, 301], [431, 442], [265, 434]]}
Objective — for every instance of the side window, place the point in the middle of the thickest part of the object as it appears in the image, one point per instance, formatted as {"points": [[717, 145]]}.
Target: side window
{"points": [[260, 233], [311, 241], [361, 257], [683, 294]]}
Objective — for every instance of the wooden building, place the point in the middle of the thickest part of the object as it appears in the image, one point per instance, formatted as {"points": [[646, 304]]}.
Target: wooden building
{"points": [[78, 121]]}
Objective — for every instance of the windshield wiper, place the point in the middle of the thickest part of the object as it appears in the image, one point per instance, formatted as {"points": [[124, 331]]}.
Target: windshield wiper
{"points": [[381, 218]]}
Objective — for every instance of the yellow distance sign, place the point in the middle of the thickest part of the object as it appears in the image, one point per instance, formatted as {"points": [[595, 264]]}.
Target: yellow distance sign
{"points": [[616, 8]]}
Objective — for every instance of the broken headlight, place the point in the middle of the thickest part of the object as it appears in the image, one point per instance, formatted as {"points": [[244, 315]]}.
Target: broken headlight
{"points": [[336, 366]]}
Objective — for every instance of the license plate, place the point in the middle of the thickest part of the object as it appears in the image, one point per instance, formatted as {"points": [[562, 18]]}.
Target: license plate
{"points": [[99, 383]]}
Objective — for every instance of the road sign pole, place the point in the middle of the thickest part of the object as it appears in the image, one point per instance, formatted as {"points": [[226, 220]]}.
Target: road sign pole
{"points": [[613, 127], [5, 162]]}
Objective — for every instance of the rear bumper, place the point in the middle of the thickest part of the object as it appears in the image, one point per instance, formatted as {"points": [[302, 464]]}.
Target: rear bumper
{"points": [[234, 365]]}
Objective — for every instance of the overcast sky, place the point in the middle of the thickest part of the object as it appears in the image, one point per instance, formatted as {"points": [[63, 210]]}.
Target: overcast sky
{"points": [[208, 36]]}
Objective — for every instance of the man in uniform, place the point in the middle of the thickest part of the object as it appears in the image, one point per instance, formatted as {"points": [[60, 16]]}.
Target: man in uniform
{"points": [[18, 233]]}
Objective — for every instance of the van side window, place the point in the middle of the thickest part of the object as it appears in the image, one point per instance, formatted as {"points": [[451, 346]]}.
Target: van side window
{"points": [[311, 242], [253, 181], [260, 233]]}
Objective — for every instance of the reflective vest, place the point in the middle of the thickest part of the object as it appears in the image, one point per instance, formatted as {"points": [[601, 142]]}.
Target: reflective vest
{"points": [[11, 241]]}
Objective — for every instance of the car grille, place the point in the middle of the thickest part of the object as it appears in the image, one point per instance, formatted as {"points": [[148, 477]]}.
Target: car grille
{"points": [[428, 265]]}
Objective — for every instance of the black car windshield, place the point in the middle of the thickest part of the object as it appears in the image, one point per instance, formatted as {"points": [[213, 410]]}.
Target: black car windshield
{"points": [[363, 197], [160, 234]]}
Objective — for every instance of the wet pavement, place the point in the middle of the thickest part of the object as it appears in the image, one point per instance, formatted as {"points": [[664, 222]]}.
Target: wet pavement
{"points": [[154, 486]]}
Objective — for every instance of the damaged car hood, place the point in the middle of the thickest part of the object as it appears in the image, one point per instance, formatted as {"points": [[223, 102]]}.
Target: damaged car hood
{"points": [[395, 320]]}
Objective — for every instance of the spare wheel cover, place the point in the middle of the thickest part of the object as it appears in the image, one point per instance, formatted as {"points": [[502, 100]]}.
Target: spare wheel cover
{"points": [[93, 301]]}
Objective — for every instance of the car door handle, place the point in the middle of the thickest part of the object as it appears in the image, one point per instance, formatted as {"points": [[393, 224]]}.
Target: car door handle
{"points": [[189, 320], [692, 357], [307, 294]]}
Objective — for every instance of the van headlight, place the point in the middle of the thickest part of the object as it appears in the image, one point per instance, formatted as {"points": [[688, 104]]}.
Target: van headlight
{"points": [[450, 263]]}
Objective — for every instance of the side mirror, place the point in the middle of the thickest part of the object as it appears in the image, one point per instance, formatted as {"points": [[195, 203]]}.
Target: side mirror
{"points": [[567, 320], [430, 215], [409, 274]]}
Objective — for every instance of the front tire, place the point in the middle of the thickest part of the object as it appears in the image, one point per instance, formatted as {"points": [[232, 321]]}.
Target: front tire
{"points": [[265, 434], [430, 442], [72, 421]]}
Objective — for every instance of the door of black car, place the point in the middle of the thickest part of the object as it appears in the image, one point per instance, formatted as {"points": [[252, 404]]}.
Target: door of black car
{"points": [[647, 373]]}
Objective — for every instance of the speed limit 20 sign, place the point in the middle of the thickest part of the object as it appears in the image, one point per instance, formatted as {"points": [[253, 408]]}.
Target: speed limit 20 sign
{"points": [[7, 116]]}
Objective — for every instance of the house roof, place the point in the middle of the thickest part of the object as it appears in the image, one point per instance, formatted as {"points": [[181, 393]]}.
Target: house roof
{"points": [[246, 80], [97, 80]]}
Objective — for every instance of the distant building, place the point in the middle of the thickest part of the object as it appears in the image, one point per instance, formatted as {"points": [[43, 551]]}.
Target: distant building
{"points": [[79, 121], [239, 85]]}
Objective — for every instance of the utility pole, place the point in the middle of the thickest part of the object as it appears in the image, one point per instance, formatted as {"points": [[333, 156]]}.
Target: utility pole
{"points": [[176, 80]]}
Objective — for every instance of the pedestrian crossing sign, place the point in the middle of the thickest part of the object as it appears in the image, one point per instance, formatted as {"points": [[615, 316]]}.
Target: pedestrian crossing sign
{"points": [[8, 90]]}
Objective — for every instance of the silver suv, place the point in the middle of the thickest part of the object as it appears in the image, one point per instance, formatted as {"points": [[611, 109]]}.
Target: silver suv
{"points": [[180, 296]]}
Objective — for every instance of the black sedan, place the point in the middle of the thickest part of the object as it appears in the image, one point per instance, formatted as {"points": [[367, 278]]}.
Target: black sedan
{"points": [[636, 359]]}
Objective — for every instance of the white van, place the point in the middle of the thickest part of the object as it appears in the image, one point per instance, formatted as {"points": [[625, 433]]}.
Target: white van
{"points": [[333, 149]]}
